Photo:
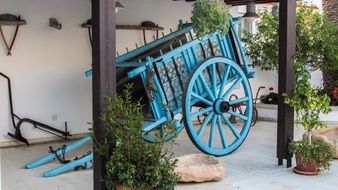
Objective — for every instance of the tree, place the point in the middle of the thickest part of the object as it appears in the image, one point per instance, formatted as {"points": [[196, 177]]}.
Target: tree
{"points": [[316, 42]]}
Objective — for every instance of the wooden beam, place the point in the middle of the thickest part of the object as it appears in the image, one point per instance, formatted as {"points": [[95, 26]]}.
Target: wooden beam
{"points": [[241, 2], [286, 77], [138, 27], [244, 2], [104, 76]]}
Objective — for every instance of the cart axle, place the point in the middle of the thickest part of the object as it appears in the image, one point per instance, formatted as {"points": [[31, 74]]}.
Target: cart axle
{"points": [[220, 106]]}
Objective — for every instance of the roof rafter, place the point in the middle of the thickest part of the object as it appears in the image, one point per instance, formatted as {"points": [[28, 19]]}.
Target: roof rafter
{"points": [[241, 2]]}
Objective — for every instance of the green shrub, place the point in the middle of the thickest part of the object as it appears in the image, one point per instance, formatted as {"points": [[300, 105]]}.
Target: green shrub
{"points": [[208, 16], [271, 98], [309, 103], [316, 40], [133, 163], [319, 152]]}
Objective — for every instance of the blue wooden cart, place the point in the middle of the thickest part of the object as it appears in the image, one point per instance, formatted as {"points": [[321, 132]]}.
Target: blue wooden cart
{"points": [[178, 73], [180, 78]]}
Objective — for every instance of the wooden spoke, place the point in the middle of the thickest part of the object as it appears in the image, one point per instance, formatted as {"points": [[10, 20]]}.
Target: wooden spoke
{"points": [[200, 98], [231, 126], [221, 132], [233, 86], [204, 124], [212, 131]]}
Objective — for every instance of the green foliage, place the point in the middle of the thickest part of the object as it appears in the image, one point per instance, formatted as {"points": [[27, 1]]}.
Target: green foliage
{"points": [[271, 98], [262, 47], [208, 16], [331, 90], [316, 40], [133, 162], [308, 102], [319, 152]]}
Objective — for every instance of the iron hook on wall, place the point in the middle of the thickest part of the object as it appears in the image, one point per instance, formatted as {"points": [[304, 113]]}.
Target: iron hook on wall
{"points": [[10, 20], [54, 23], [88, 25]]}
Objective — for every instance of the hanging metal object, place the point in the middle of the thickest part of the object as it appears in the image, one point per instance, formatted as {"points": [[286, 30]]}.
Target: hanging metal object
{"points": [[275, 10], [118, 6], [251, 11], [250, 16]]}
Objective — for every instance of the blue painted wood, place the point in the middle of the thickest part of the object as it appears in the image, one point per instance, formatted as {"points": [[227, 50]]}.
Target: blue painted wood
{"points": [[69, 166], [216, 120], [130, 64], [153, 44], [175, 71], [248, 70], [49, 157], [237, 20], [137, 71]]}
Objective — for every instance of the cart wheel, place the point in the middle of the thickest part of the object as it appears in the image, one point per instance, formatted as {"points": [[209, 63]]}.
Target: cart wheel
{"points": [[254, 116], [164, 132], [211, 83], [201, 118]]}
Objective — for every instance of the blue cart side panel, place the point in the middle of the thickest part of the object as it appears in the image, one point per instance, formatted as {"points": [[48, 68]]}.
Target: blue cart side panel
{"points": [[173, 67]]}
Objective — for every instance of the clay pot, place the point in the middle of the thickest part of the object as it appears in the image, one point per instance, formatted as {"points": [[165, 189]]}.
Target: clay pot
{"points": [[305, 168], [118, 187], [121, 187]]}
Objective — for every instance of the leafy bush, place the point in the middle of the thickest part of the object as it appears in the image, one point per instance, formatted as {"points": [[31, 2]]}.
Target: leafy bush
{"points": [[308, 102], [208, 16], [332, 92], [319, 152], [271, 98], [133, 162], [316, 40]]}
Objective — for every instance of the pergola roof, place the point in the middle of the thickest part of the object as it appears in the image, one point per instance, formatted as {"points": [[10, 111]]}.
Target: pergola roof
{"points": [[241, 2]]}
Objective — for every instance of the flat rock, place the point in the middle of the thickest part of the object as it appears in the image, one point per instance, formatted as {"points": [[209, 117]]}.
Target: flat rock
{"points": [[199, 168], [330, 136]]}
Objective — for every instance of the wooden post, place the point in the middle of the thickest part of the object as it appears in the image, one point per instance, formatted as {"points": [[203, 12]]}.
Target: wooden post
{"points": [[104, 76], [286, 77]]}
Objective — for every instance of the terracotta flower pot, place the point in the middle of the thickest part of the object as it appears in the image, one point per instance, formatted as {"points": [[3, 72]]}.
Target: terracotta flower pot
{"points": [[121, 187], [305, 168], [118, 187]]}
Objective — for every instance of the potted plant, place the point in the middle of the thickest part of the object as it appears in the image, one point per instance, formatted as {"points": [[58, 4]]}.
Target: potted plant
{"points": [[312, 155], [209, 16], [133, 163]]}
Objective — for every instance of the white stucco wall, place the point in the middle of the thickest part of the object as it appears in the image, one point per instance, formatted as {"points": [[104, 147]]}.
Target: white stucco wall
{"points": [[47, 66]]}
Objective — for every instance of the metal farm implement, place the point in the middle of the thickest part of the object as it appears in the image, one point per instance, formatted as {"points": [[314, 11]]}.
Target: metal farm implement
{"points": [[177, 75]]}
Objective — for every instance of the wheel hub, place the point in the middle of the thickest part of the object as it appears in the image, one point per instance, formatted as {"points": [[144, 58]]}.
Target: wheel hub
{"points": [[221, 106]]}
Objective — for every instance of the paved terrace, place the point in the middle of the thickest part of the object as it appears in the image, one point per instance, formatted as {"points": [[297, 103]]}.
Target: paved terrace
{"points": [[252, 166]]}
